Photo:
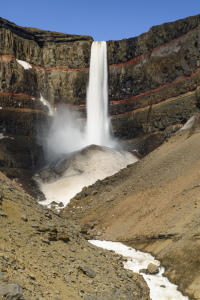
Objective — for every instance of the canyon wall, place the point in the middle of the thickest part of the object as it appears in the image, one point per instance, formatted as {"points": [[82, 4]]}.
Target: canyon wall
{"points": [[153, 83], [56, 66]]}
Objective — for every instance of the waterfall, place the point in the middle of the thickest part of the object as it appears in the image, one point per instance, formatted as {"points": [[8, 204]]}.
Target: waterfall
{"points": [[98, 124], [67, 133]]}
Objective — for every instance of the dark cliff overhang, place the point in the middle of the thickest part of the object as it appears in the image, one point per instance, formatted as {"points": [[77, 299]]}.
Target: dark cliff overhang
{"points": [[42, 36]]}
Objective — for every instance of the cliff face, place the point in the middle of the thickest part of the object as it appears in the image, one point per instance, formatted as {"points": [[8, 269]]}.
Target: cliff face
{"points": [[153, 79], [56, 60], [146, 42], [34, 62], [155, 88]]}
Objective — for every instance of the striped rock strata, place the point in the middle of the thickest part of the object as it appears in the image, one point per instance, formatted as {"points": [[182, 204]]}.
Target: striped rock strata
{"points": [[153, 80]]}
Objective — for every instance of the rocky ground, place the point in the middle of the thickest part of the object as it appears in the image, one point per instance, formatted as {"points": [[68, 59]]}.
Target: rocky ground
{"points": [[43, 256], [152, 205]]}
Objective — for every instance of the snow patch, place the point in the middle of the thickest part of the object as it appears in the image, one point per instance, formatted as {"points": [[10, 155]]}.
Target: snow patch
{"points": [[24, 64], [160, 287], [5, 137], [84, 170], [189, 123]]}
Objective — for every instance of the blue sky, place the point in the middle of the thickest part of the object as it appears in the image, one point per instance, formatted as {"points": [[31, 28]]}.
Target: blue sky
{"points": [[103, 20]]}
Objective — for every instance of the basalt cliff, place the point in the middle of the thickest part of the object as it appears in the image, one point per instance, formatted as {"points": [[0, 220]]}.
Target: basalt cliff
{"points": [[153, 85]]}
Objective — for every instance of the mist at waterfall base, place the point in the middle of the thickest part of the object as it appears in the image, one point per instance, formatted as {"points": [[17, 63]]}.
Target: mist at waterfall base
{"points": [[68, 132], [74, 160]]}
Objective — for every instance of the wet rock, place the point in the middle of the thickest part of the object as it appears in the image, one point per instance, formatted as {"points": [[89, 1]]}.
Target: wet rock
{"points": [[144, 271], [54, 203], [152, 269]]}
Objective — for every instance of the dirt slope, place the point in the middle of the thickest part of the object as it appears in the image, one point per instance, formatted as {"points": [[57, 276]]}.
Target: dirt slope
{"points": [[153, 205], [44, 257]]}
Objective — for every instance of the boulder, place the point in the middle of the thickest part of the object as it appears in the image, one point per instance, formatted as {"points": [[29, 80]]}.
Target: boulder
{"points": [[152, 269], [87, 271], [11, 291]]}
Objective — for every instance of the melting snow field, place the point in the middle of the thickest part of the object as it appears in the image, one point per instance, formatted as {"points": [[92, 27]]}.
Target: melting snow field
{"points": [[85, 169], [160, 287]]}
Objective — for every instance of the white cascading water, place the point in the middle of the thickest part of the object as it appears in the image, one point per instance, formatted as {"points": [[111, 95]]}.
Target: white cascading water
{"points": [[93, 163], [98, 124], [67, 133], [85, 167]]}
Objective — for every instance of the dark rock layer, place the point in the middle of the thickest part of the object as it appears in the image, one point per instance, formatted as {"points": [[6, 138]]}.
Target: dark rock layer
{"points": [[153, 79], [44, 48], [126, 49]]}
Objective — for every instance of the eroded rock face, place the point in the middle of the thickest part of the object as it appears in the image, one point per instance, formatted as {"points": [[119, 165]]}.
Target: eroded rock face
{"points": [[153, 80], [44, 48], [126, 49]]}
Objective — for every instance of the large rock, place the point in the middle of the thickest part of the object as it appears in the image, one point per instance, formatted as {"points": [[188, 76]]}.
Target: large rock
{"points": [[152, 269], [11, 292]]}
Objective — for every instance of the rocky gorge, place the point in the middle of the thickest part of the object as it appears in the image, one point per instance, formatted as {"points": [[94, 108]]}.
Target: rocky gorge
{"points": [[43, 256], [153, 84], [152, 205]]}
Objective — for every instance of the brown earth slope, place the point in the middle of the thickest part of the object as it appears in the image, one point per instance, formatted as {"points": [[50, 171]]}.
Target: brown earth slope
{"points": [[43, 256], [153, 205]]}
